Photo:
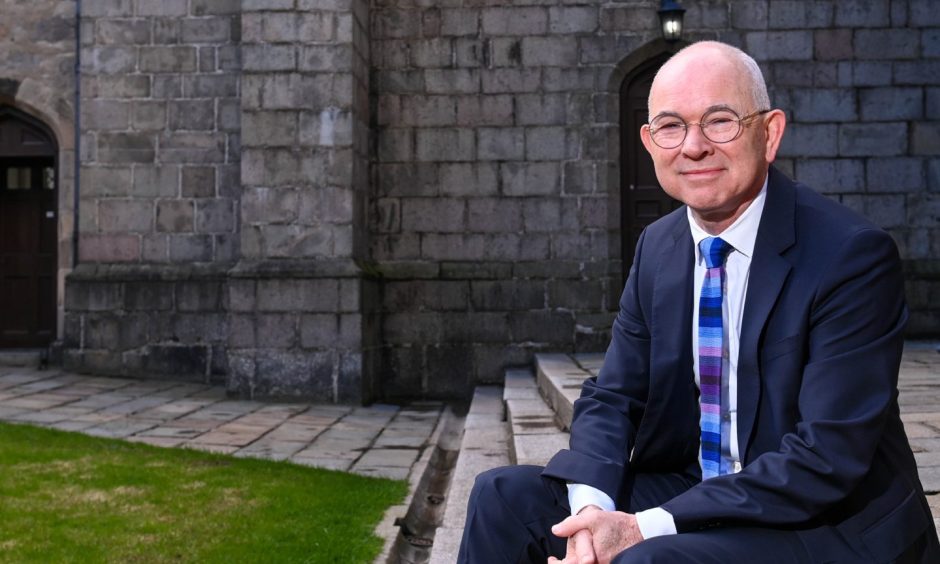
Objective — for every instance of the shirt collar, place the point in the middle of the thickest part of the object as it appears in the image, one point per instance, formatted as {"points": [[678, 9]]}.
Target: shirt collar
{"points": [[742, 234]]}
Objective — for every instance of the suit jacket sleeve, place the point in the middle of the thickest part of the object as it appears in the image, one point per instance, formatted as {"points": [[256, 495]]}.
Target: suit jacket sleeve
{"points": [[608, 413], [847, 388]]}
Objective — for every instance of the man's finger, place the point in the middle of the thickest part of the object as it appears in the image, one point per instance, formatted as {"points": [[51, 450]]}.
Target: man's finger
{"points": [[569, 526], [584, 547]]}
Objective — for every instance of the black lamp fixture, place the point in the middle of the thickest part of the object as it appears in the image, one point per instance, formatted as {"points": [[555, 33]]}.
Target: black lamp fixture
{"points": [[670, 16]]}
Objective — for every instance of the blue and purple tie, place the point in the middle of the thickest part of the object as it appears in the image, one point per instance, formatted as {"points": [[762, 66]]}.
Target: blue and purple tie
{"points": [[710, 352]]}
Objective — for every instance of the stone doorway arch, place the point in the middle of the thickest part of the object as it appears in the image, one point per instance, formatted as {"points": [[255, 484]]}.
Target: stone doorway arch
{"points": [[642, 200], [28, 230]]}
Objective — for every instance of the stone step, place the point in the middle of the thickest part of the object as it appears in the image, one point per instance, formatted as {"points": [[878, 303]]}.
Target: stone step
{"points": [[559, 377], [485, 445], [21, 357], [535, 435]]}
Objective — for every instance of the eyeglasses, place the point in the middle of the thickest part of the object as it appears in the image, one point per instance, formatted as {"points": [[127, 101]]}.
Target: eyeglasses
{"points": [[718, 126]]}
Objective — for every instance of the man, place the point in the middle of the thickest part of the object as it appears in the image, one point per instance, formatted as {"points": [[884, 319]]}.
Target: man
{"points": [[747, 406]]}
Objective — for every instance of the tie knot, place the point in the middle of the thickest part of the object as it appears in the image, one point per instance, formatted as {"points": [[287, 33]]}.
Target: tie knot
{"points": [[715, 250]]}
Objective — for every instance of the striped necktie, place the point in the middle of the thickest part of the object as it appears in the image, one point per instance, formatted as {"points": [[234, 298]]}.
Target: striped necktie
{"points": [[710, 351]]}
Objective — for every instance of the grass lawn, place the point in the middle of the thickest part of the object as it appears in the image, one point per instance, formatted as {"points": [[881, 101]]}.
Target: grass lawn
{"points": [[67, 497]]}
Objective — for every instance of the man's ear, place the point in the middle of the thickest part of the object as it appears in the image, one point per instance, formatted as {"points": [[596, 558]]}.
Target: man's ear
{"points": [[775, 122], [645, 138]]}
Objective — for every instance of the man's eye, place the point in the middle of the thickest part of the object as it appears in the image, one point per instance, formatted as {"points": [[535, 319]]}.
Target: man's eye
{"points": [[670, 126], [719, 121]]}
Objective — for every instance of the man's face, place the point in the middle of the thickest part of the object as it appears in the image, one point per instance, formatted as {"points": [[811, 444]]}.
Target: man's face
{"points": [[716, 180]]}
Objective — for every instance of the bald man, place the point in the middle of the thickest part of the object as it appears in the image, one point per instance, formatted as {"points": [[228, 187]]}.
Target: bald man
{"points": [[747, 406]]}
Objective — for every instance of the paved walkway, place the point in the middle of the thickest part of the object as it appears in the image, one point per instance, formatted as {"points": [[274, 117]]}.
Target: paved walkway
{"points": [[380, 440]]}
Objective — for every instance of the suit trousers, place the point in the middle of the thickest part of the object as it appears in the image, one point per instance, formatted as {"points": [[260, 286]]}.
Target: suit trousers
{"points": [[511, 510]]}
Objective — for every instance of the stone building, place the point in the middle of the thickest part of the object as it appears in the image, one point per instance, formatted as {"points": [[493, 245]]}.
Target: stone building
{"points": [[350, 200]]}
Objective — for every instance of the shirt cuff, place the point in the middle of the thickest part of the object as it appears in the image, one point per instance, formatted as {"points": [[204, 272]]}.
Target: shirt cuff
{"points": [[582, 495], [654, 522]]}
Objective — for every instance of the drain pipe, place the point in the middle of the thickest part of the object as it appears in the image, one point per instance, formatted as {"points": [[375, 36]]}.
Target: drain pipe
{"points": [[78, 131]]}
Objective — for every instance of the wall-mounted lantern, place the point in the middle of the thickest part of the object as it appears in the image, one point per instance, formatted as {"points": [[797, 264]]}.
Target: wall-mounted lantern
{"points": [[670, 16]]}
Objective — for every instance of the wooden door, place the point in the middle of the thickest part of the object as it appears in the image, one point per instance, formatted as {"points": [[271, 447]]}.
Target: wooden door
{"points": [[642, 200], [28, 236]]}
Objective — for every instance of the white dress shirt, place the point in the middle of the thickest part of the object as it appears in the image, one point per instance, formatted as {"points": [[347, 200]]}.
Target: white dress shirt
{"points": [[741, 235]]}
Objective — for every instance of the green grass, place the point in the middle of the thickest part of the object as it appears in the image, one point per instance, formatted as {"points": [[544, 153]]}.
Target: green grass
{"points": [[67, 497]]}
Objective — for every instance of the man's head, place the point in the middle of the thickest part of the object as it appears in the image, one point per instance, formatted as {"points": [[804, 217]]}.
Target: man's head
{"points": [[716, 179]]}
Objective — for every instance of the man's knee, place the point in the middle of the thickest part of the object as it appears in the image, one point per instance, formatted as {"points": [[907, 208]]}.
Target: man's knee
{"points": [[498, 484], [656, 550]]}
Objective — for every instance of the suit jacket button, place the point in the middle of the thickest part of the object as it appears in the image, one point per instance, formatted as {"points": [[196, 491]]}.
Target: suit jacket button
{"points": [[737, 466]]}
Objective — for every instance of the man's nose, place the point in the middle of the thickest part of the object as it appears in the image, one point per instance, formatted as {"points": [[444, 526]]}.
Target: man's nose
{"points": [[696, 145]]}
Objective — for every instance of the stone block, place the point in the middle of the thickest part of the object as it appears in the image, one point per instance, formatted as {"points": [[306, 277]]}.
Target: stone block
{"points": [[508, 295], [269, 58], [133, 86], [885, 44], [924, 13], [125, 148], [192, 114], [476, 179], [780, 45], [155, 248], [551, 51], [197, 181], [529, 179], [408, 179], [573, 19], [452, 246], [215, 7], [576, 294], [425, 295], [833, 44], [895, 174], [873, 139], [484, 110], [550, 143], [886, 210], [440, 215], [490, 215], [925, 139], [184, 248], [510, 80], [149, 115], [215, 216], [459, 22], [540, 109], [550, 327], [579, 178], [175, 216], [445, 145], [608, 49], [628, 18], [109, 248], [475, 327], [917, 72], [127, 216], [930, 43], [166, 59], [818, 140], [515, 21], [412, 327], [122, 32], [541, 214], [108, 8], [452, 81], [862, 13], [395, 23], [431, 53], [192, 147], [832, 175], [824, 105], [161, 7], [325, 58], [870, 73], [298, 295], [106, 181], [199, 296], [148, 296], [933, 175], [109, 60], [500, 144], [427, 111], [205, 30], [277, 331], [749, 14]]}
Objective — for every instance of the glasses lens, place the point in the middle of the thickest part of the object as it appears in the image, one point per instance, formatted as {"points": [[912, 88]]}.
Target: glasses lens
{"points": [[668, 132], [721, 126]]}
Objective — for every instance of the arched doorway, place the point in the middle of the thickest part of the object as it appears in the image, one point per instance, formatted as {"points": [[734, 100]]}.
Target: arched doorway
{"points": [[642, 201], [28, 231]]}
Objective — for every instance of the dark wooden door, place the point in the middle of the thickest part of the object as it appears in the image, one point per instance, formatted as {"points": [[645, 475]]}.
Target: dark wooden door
{"points": [[28, 236], [642, 200]]}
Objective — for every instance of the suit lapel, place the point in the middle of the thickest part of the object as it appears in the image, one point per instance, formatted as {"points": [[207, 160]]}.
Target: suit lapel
{"points": [[769, 271]]}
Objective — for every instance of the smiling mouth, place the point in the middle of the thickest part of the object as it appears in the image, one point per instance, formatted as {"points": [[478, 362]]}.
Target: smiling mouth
{"points": [[700, 172]]}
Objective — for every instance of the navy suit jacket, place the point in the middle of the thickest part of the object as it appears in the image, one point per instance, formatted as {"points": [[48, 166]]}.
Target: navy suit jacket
{"points": [[820, 435]]}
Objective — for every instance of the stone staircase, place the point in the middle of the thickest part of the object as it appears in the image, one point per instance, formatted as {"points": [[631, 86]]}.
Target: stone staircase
{"points": [[525, 421]]}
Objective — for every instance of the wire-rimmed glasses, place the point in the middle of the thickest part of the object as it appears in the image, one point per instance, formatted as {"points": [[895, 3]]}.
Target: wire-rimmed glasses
{"points": [[721, 125]]}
